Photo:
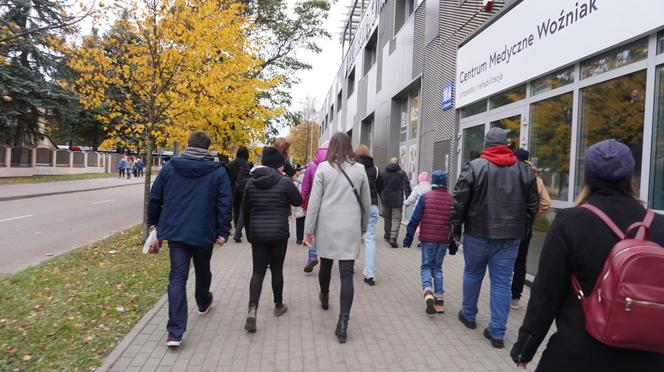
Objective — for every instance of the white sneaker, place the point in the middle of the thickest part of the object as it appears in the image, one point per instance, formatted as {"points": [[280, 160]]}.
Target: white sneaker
{"points": [[173, 343], [515, 304]]}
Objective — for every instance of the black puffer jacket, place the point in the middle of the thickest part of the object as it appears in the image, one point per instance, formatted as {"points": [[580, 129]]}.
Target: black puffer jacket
{"points": [[266, 204], [578, 243], [395, 183], [494, 202], [374, 176]]}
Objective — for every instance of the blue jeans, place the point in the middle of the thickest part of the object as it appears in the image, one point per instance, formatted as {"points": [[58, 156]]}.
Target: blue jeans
{"points": [[181, 254], [432, 267], [370, 244], [499, 255], [312, 253]]}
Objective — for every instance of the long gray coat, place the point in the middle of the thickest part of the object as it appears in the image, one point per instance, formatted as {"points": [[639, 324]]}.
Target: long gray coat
{"points": [[333, 213]]}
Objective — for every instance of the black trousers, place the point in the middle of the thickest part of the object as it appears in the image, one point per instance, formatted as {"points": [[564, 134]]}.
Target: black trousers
{"points": [[346, 268], [237, 202], [299, 228], [519, 278], [264, 254]]}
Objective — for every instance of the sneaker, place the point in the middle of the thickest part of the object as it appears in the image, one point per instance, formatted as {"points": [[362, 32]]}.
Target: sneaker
{"points": [[370, 281], [515, 304], [393, 243], [250, 323], [207, 308], [439, 305], [171, 342], [498, 344], [280, 309], [429, 299], [468, 323], [237, 240], [310, 266], [298, 242]]}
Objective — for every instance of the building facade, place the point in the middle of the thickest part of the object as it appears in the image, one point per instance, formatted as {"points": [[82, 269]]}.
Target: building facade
{"points": [[559, 76]]}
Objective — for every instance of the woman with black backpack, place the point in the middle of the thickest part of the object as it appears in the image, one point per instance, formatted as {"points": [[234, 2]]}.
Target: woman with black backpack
{"points": [[578, 244]]}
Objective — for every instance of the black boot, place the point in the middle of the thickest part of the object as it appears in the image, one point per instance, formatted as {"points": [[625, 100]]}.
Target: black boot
{"points": [[342, 328], [250, 324], [324, 300]]}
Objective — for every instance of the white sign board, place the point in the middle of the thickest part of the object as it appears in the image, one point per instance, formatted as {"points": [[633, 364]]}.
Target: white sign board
{"points": [[536, 37]]}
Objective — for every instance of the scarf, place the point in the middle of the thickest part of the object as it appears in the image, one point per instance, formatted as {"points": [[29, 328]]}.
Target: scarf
{"points": [[501, 155], [197, 153]]}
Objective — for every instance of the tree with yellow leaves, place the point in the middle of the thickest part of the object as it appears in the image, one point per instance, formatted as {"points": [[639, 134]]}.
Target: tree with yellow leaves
{"points": [[169, 67]]}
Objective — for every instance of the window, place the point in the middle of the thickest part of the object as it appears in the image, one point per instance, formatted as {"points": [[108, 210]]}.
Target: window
{"points": [[615, 58], [660, 42], [403, 122], [613, 109], [508, 97], [657, 166], [370, 52], [351, 83], [366, 136], [473, 143], [339, 98], [402, 10], [513, 127], [552, 81], [474, 109], [332, 113], [325, 122], [414, 116], [551, 141]]}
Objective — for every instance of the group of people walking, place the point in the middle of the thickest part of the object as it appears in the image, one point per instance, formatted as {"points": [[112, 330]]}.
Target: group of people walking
{"points": [[489, 215], [128, 166]]}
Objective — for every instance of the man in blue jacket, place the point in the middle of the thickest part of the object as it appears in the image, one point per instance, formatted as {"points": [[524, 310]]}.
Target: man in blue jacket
{"points": [[190, 203]]}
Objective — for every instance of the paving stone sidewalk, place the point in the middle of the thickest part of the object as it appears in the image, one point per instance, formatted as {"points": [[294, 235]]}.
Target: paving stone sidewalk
{"points": [[388, 328]]}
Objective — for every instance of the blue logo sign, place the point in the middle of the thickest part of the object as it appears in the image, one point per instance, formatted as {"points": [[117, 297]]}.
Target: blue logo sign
{"points": [[447, 96]]}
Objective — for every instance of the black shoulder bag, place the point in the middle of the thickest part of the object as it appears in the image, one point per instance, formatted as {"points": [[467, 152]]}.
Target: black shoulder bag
{"points": [[357, 195]]}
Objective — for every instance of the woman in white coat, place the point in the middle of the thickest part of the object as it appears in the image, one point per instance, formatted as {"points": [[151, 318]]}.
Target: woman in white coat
{"points": [[337, 216]]}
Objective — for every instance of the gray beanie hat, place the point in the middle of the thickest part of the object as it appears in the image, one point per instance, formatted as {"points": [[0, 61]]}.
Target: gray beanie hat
{"points": [[495, 137], [610, 161]]}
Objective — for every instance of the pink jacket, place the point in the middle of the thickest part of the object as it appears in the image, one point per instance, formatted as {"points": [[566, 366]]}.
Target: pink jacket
{"points": [[321, 155]]}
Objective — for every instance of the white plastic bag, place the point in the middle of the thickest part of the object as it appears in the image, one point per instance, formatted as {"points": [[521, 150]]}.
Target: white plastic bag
{"points": [[152, 244]]}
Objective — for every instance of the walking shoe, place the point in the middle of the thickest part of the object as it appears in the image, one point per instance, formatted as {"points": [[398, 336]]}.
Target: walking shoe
{"points": [[324, 300], [468, 323], [429, 299], [280, 309], [237, 240], [439, 305], [514, 304], [342, 328], [310, 266], [393, 243], [387, 238], [498, 344], [298, 242], [171, 342], [250, 323], [206, 309], [370, 281]]}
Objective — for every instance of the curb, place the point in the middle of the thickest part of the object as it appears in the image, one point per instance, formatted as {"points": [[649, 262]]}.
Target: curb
{"points": [[117, 352], [29, 196]]}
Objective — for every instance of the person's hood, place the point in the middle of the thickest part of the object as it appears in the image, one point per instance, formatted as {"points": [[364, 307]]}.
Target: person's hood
{"points": [[321, 155], [501, 155], [367, 161], [193, 168], [265, 177], [392, 167]]}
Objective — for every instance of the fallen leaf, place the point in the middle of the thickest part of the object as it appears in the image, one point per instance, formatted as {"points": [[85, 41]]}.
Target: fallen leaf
{"points": [[12, 350], [27, 358]]}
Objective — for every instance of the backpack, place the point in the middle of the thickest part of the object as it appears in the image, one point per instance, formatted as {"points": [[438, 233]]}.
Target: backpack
{"points": [[626, 307], [243, 176]]}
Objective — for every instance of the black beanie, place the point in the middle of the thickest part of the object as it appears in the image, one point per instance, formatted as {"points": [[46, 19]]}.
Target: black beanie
{"points": [[608, 161], [272, 157], [522, 154]]}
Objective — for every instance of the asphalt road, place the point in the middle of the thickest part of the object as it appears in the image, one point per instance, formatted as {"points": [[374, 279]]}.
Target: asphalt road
{"points": [[37, 229]]}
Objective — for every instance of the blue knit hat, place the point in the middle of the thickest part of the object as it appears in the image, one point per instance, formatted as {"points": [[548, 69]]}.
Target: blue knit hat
{"points": [[608, 161], [438, 179]]}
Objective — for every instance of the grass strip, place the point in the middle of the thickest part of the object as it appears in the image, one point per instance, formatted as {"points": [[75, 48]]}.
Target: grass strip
{"points": [[70, 312], [61, 177]]}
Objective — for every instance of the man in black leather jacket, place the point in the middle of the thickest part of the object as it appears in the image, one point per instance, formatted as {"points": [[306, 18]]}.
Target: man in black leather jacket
{"points": [[496, 201]]}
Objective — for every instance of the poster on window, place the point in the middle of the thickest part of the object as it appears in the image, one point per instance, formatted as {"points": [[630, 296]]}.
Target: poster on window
{"points": [[404, 120], [403, 155], [412, 161]]}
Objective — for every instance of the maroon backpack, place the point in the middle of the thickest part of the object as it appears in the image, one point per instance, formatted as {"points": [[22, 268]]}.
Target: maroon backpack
{"points": [[626, 307]]}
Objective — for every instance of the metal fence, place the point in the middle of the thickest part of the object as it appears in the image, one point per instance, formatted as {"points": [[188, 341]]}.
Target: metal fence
{"points": [[62, 158], [79, 159], [93, 159], [21, 157], [3, 156], [44, 156]]}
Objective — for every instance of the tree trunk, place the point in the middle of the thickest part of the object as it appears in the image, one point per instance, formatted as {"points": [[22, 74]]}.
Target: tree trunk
{"points": [[146, 189]]}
